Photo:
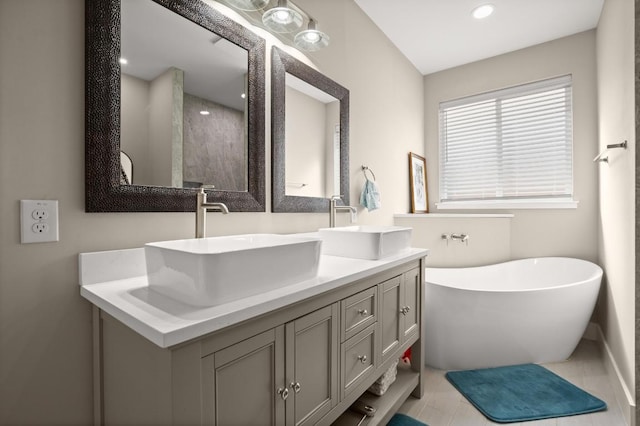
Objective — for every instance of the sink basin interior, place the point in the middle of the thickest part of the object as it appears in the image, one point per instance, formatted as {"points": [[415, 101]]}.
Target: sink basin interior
{"points": [[217, 270], [365, 242]]}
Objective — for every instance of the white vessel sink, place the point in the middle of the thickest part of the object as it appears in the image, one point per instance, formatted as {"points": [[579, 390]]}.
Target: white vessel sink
{"points": [[213, 271], [365, 242]]}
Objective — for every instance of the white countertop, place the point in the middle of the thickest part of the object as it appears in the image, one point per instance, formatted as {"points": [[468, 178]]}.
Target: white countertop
{"points": [[116, 282]]}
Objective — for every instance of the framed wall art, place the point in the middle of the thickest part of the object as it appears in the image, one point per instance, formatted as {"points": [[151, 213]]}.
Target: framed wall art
{"points": [[418, 183]]}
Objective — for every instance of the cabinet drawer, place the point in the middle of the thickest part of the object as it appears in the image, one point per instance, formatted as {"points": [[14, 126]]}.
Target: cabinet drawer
{"points": [[358, 312], [358, 359]]}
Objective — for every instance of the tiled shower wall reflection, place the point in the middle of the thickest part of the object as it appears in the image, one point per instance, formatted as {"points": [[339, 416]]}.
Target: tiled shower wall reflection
{"points": [[214, 145]]}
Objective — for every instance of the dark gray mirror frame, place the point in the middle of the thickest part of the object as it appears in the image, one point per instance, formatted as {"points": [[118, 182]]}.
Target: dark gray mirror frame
{"points": [[282, 63], [103, 190]]}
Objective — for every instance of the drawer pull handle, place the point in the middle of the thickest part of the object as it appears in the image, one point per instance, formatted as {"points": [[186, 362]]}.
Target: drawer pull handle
{"points": [[296, 387], [363, 312], [362, 359], [284, 393]]}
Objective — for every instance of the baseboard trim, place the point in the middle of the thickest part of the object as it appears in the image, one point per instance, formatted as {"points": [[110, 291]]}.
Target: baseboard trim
{"points": [[623, 395]]}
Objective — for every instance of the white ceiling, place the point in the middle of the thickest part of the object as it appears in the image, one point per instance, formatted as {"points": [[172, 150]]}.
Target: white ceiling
{"points": [[440, 34]]}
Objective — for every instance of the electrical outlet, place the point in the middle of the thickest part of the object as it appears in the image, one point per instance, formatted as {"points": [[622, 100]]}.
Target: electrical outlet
{"points": [[38, 221], [40, 214], [40, 228]]}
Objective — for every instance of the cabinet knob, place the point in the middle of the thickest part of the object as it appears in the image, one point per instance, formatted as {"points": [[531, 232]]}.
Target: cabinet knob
{"points": [[284, 393], [363, 312], [295, 386], [362, 359], [405, 310]]}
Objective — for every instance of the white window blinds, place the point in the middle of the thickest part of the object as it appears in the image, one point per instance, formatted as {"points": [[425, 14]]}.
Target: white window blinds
{"points": [[511, 144]]}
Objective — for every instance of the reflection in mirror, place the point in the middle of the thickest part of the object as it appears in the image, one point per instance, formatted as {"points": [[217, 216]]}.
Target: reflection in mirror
{"points": [[187, 106], [126, 169], [312, 140], [310, 137], [187, 125]]}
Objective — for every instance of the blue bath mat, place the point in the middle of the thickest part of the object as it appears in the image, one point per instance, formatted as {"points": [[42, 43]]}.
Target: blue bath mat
{"points": [[400, 419], [522, 392]]}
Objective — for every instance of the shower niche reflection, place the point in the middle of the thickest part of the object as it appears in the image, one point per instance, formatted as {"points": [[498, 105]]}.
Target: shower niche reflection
{"points": [[312, 140]]}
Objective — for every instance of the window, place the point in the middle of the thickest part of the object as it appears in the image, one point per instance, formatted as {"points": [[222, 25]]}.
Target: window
{"points": [[508, 148]]}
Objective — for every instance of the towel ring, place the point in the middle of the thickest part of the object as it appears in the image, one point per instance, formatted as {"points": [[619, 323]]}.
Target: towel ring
{"points": [[364, 170]]}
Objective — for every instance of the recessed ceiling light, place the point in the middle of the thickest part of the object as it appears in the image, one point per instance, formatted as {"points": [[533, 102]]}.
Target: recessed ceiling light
{"points": [[204, 112], [123, 61], [483, 11]]}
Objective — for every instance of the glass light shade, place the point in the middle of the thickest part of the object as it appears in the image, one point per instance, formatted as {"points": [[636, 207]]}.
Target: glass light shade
{"points": [[282, 19], [311, 39], [248, 5]]}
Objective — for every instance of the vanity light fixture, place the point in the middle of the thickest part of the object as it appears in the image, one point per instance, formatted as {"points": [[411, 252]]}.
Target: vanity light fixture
{"points": [[483, 11], [249, 5], [311, 39], [282, 18]]}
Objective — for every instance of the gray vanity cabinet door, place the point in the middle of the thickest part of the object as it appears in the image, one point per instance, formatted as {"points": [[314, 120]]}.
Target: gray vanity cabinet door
{"points": [[411, 303], [399, 310], [312, 365], [244, 383], [390, 305]]}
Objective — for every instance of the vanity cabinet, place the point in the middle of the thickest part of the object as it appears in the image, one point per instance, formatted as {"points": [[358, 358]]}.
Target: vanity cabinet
{"points": [[301, 364], [285, 376]]}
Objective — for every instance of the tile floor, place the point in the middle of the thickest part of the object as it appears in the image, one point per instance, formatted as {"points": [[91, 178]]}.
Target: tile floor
{"points": [[443, 405]]}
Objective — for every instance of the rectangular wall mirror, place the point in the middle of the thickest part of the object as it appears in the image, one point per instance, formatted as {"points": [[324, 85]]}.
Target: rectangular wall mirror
{"points": [[177, 89], [310, 137]]}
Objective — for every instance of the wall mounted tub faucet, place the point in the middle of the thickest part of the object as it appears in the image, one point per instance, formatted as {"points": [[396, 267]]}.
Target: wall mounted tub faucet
{"points": [[202, 206], [463, 238], [334, 207]]}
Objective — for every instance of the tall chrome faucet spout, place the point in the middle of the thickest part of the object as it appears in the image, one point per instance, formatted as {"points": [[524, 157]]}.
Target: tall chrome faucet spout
{"points": [[334, 207], [202, 206]]}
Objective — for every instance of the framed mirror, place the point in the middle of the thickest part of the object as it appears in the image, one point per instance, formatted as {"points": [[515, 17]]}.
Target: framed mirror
{"points": [[179, 87], [309, 137]]}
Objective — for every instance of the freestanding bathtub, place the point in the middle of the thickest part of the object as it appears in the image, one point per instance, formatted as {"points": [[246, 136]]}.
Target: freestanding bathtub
{"points": [[522, 311]]}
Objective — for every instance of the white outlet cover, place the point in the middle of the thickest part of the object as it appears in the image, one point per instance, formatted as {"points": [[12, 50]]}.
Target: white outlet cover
{"points": [[38, 221]]}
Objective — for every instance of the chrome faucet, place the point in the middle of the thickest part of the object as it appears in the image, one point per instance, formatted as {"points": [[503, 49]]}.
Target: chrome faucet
{"points": [[463, 238], [334, 207], [201, 212]]}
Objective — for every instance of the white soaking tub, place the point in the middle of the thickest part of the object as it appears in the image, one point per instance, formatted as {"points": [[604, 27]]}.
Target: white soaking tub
{"points": [[522, 311]]}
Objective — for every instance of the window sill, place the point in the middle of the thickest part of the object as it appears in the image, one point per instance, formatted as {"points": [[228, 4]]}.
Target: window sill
{"points": [[508, 205], [454, 215]]}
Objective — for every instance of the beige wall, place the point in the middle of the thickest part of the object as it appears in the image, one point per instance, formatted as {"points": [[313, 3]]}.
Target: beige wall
{"points": [[533, 233], [489, 239], [45, 326], [386, 114], [162, 116], [616, 100], [134, 130]]}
